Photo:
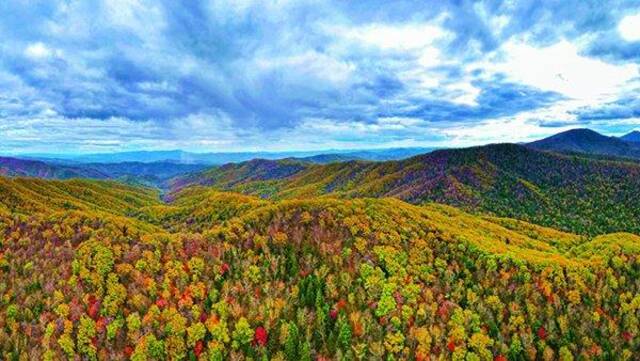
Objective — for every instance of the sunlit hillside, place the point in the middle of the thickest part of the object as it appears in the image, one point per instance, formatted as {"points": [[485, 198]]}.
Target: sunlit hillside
{"points": [[569, 192], [97, 270]]}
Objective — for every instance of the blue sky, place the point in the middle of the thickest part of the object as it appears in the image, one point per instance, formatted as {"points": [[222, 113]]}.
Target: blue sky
{"points": [[98, 76]]}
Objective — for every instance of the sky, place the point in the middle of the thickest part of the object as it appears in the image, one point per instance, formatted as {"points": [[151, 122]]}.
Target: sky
{"points": [[113, 75]]}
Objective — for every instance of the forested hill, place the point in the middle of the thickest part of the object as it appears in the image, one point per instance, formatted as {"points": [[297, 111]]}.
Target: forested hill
{"points": [[33, 168], [570, 192], [32, 196], [96, 270]]}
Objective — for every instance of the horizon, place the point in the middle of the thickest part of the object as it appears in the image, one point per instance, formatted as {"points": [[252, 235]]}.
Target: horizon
{"points": [[131, 75], [314, 151], [285, 152]]}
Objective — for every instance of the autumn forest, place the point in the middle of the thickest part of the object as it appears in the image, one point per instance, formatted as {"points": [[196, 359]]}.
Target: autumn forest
{"points": [[491, 253]]}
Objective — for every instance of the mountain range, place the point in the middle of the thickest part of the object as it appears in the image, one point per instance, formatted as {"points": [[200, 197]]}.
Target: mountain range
{"points": [[496, 252], [510, 180], [556, 181], [148, 173], [219, 158]]}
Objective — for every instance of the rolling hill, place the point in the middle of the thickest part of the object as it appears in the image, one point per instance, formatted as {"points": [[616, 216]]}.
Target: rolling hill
{"points": [[98, 270], [30, 196], [569, 192]]}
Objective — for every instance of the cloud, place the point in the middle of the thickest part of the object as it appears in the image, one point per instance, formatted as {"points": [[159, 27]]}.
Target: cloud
{"points": [[629, 27], [401, 37], [222, 75], [38, 51], [561, 69]]}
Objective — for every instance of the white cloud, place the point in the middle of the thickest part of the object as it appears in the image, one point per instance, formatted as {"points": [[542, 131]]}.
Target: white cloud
{"points": [[393, 37], [629, 27], [141, 18], [332, 128], [560, 68], [39, 50], [420, 47], [467, 94], [401, 122], [157, 86], [514, 129], [311, 64]]}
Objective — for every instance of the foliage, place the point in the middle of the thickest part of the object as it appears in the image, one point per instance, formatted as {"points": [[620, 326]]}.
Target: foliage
{"points": [[576, 193], [214, 276]]}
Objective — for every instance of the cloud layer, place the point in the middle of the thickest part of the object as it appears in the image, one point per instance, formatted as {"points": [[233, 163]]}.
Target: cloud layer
{"points": [[243, 75]]}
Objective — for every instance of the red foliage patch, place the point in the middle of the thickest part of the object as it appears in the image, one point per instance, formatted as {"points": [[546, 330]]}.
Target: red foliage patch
{"points": [[199, 347], [342, 304], [94, 309], [542, 333], [161, 303], [128, 350], [333, 313], [451, 346], [101, 324], [260, 336], [443, 311], [224, 268]]}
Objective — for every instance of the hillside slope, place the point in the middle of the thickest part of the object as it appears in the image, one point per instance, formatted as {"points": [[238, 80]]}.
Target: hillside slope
{"points": [[569, 192], [304, 279], [31, 196]]}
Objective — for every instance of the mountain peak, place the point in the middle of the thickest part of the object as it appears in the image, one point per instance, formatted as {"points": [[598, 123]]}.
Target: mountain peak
{"points": [[633, 136], [586, 141], [584, 133]]}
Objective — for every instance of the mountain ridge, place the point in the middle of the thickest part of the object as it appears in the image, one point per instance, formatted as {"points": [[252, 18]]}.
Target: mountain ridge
{"points": [[633, 136], [220, 158], [151, 173], [587, 141], [502, 179]]}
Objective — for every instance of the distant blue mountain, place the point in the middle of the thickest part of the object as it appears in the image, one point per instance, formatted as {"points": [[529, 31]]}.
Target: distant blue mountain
{"points": [[219, 158], [14, 167], [156, 168], [633, 137], [151, 174]]}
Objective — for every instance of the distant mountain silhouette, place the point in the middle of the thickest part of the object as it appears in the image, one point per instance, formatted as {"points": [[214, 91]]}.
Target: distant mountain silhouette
{"points": [[220, 158], [587, 141], [632, 137], [154, 173], [32, 168]]}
